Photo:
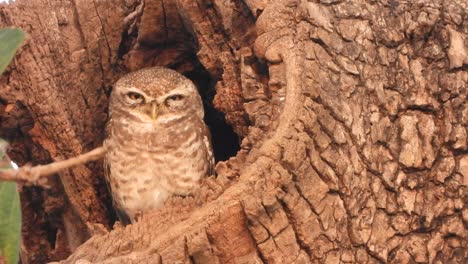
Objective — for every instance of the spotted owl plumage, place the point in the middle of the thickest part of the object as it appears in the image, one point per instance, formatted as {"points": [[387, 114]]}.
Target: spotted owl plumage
{"points": [[158, 144]]}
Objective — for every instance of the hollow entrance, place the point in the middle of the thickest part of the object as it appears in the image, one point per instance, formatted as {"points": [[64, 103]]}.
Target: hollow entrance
{"points": [[225, 141], [163, 39]]}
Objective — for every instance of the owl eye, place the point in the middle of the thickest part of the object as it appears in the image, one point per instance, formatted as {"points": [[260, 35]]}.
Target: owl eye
{"points": [[135, 96], [175, 97]]}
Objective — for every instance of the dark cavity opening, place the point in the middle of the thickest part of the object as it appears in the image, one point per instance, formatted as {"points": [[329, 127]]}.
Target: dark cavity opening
{"points": [[225, 141], [155, 50]]}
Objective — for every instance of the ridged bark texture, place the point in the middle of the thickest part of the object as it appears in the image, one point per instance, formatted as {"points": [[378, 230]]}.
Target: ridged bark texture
{"points": [[353, 117]]}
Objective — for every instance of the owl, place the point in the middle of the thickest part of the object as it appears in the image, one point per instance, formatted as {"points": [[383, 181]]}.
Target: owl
{"points": [[158, 144]]}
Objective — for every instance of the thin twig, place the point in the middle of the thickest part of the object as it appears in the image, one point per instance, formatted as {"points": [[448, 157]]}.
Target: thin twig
{"points": [[33, 174]]}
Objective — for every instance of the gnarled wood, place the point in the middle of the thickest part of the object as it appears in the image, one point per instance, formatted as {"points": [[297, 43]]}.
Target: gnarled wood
{"points": [[353, 116]]}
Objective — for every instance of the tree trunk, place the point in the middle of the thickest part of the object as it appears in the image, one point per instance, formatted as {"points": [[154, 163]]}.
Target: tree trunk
{"points": [[352, 117]]}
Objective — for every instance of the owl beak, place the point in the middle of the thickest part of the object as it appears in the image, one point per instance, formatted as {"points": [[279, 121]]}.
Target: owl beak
{"points": [[154, 111]]}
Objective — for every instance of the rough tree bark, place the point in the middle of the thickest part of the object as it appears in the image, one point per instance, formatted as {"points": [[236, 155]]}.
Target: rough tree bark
{"points": [[353, 118]]}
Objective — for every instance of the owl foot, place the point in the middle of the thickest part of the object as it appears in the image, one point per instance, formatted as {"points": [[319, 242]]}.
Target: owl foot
{"points": [[138, 216], [118, 225]]}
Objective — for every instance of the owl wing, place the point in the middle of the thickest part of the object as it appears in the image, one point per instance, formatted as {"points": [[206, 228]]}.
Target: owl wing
{"points": [[106, 163], [209, 149], [123, 217]]}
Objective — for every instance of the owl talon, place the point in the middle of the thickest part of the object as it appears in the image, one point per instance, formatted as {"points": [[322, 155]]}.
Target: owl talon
{"points": [[138, 216], [118, 225]]}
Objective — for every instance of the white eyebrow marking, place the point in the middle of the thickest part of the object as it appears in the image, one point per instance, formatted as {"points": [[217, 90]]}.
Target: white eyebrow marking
{"points": [[181, 90], [136, 90]]}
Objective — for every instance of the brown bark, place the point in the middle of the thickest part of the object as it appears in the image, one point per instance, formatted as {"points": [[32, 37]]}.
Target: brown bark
{"points": [[353, 117]]}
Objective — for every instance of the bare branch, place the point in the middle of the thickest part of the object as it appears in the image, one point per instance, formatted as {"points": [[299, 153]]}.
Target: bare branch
{"points": [[33, 174]]}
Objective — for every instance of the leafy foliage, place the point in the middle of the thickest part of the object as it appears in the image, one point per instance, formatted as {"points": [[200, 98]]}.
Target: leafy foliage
{"points": [[10, 213], [10, 40], [10, 209]]}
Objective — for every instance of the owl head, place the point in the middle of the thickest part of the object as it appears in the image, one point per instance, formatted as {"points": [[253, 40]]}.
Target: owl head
{"points": [[155, 95]]}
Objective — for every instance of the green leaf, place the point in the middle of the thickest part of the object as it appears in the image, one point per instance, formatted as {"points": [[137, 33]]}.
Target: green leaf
{"points": [[10, 40], [10, 214], [10, 209], [10, 222]]}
